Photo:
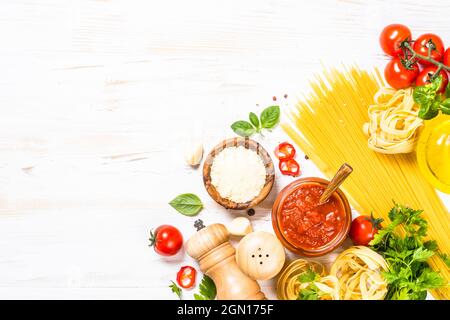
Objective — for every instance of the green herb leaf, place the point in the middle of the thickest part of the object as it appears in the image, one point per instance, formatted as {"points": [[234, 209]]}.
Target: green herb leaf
{"points": [[207, 289], [308, 294], [446, 258], [270, 117], [254, 120], [423, 95], [430, 279], [401, 294], [429, 110], [409, 276], [430, 245], [436, 84], [421, 254], [308, 276], [188, 204], [445, 106], [175, 289], [447, 91], [429, 101], [243, 128]]}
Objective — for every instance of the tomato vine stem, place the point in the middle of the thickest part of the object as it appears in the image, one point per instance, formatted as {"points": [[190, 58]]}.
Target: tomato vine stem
{"points": [[428, 58]]}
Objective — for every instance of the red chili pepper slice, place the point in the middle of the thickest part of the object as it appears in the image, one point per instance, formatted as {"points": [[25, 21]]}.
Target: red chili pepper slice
{"points": [[290, 167], [285, 151], [186, 277]]}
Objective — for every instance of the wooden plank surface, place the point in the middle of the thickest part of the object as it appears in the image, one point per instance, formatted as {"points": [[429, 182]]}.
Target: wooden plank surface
{"points": [[99, 98]]}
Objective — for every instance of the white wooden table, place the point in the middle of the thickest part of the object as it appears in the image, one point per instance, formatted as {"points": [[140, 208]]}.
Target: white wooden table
{"points": [[98, 99]]}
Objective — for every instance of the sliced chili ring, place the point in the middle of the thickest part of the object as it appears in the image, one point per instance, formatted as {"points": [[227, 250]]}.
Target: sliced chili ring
{"points": [[186, 277], [285, 151], [290, 167]]}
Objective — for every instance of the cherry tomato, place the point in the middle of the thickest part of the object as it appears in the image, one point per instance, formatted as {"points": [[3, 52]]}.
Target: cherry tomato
{"points": [[289, 167], [422, 44], [363, 229], [167, 240], [392, 36], [424, 77], [186, 277], [446, 59], [398, 76], [285, 151]]}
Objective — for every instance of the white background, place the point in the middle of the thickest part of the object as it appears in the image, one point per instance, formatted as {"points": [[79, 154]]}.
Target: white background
{"points": [[98, 98]]}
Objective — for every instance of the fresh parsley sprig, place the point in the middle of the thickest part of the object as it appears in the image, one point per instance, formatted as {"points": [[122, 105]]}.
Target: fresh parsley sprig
{"points": [[175, 289], [268, 119], [409, 275], [311, 291]]}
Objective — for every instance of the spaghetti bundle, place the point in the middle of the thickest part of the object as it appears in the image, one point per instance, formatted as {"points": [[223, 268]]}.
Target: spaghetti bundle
{"points": [[289, 285], [359, 272], [327, 126], [394, 124]]}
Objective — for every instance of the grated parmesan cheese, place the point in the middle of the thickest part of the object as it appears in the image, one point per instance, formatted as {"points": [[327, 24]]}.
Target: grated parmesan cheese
{"points": [[238, 174]]}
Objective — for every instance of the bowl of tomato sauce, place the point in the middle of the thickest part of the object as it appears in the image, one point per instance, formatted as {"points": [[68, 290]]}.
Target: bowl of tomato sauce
{"points": [[306, 227]]}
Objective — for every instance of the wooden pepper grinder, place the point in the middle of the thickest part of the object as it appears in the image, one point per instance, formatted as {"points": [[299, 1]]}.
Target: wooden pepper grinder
{"points": [[216, 256]]}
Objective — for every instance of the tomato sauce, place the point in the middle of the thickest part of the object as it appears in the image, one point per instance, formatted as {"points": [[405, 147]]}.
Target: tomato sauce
{"points": [[305, 223]]}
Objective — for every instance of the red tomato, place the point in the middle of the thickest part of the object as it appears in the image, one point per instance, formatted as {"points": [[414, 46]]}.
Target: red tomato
{"points": [[398, 76], [446, 59], [285, 151], [392, 36], [363, 229], [424, 77], [186, 277], [289, 167], [422, 44], [167, 240]]}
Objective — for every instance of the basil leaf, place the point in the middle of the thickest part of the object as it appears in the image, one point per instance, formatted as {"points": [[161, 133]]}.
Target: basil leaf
{"points": [[447, 91], [436, 84], [188, 204], [254, 119], [270, 117], [445, 106], [422, 95], [243, 128], [429, 110]]}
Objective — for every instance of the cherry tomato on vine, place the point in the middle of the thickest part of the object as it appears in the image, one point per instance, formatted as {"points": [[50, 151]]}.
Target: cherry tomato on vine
{"points": [[424, 42], [289, 167], [186, 277], [392, 36], [398, 76], [166, 240], [363, 229], [285, 151], [424, 77], [446, 59]]}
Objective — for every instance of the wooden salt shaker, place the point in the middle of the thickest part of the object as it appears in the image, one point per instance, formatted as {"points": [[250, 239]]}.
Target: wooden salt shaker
{"points": [[216, 256]]}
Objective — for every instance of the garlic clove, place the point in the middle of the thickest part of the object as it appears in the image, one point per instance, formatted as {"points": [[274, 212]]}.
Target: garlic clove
{"points": [[240, 227], [194, 154]]}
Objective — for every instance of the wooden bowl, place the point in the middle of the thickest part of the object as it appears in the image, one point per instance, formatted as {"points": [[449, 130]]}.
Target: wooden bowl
{"points": [[248, 144]]}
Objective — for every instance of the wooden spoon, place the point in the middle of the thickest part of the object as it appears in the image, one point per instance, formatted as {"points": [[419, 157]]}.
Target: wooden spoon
{"points": [[343, 172]]}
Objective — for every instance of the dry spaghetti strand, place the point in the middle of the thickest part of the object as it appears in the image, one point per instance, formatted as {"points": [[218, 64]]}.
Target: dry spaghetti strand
{"points": [[327, 127]]}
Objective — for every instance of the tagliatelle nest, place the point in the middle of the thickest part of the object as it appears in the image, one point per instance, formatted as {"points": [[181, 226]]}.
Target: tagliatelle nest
{"points": [[289, 286], [359, 271], [394, 124]]}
